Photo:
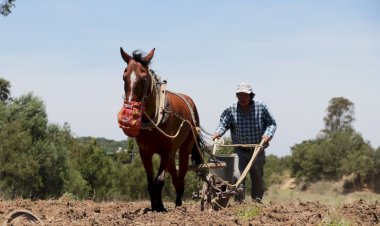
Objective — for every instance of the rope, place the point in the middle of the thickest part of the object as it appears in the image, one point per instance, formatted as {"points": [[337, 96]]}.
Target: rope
{"points": [[193, 129], [218, 143], [163, 132]]}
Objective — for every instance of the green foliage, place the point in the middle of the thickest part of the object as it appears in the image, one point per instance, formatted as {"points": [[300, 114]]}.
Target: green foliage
{"points": [[226, 150], [18, 146], [96, 168], [18, 167], [342, 153], [192, 184], [132, 181], [248, 213], [339, 151], [5, 8], [340, 114], [275, 169], [30, 111], [4, 90], [110, 146], [334, 219], [377, 161], [33, 154]]}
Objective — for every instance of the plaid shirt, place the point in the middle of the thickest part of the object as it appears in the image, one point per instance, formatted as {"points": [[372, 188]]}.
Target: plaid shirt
{"points": [[247, 128]]}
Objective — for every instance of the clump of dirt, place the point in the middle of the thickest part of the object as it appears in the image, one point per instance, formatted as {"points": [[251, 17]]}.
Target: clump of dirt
{"points": [[71, 212], [360, 212]]}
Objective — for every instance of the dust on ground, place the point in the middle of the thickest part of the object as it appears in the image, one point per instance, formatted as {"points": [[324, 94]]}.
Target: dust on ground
{"points": [[72, 212]]}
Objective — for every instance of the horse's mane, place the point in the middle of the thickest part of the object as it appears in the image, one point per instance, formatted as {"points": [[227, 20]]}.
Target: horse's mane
{"points": [[138, 56]]}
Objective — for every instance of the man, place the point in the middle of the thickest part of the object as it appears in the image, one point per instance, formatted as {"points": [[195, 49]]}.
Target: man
{"points": [[249, 122]]}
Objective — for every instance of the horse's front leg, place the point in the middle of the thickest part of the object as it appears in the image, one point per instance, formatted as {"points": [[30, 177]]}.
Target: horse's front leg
{"points": [[159, 183], [148, 165]]}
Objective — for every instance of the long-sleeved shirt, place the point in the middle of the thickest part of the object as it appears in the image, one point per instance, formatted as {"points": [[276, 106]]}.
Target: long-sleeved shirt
{"points": [[250, 127]]}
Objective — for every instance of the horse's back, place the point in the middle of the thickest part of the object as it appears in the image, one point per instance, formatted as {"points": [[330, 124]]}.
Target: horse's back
{"points": [[185, 106]]}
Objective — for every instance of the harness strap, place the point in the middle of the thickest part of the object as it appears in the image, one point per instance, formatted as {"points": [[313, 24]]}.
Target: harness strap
{"points": [[160, 89], [161, 102], [188, 105]]}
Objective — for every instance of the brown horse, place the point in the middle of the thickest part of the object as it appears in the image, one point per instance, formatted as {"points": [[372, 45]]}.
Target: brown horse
{"points": [[158, 130]]}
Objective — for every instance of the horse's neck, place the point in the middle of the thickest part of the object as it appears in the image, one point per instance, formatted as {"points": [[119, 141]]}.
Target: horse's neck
{"points": [[155, 108], [151, 103]]}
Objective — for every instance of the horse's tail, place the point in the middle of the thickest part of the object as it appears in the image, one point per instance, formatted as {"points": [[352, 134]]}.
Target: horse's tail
{"points": [[196, 157], [198, 150]]}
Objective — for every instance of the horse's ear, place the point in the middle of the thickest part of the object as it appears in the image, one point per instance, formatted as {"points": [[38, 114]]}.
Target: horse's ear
{"points": [[149, 56], [125, 55]]}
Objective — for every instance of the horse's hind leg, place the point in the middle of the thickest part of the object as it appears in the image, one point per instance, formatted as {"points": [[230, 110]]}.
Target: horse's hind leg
{"points": [[184, 153], [173, 172]]}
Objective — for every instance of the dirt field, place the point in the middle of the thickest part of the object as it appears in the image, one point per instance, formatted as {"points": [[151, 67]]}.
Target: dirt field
{"points": [[71, 212]]}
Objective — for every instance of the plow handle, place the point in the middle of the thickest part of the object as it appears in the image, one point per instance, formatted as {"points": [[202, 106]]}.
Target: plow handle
{"points": [[257, 150]]}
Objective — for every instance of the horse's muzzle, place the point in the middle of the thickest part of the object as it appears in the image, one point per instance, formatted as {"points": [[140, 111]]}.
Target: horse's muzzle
{"points": [[130, 117]]}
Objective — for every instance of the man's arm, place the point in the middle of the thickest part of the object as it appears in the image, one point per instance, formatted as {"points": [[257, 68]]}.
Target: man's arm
{"points": [[270, 124], [224, 124]]}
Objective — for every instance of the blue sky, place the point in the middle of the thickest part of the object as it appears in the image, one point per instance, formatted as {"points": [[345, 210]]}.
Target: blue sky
{"points": [[296, 54]]}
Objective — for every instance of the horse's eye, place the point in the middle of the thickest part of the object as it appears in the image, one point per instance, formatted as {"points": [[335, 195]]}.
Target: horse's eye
{"points": [[124, 78]]}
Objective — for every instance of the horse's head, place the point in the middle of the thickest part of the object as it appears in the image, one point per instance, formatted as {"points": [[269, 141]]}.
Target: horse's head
{"points": [[137, 86]]}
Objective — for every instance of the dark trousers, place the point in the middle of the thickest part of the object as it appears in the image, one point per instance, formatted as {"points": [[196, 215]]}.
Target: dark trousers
{"points": [[256, 172]]}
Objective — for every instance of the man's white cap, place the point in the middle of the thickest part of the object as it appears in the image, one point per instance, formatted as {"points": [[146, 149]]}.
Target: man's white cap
{"points": [[244, 87]]}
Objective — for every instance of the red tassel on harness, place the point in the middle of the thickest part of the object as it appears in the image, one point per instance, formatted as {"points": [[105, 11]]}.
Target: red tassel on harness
{"points": [[130, 117]]}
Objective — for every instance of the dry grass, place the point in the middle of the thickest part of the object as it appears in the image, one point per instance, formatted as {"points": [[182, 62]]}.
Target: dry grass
{"points": [[325, 192]]}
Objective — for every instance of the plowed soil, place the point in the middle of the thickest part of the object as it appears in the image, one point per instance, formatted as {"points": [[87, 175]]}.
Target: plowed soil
{"points": [[71, 212]]}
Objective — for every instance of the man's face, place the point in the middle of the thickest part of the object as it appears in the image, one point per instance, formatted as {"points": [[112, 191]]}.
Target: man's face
{"points": [[244, 99]]}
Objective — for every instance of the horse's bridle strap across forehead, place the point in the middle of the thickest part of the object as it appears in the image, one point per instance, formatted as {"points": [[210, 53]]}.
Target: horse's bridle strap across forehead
{"points": [[132, 81]]}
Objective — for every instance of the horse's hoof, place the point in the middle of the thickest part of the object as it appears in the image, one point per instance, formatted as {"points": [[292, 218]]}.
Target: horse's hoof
{"points": [[178, 203], [162, 209], [159, 208]]}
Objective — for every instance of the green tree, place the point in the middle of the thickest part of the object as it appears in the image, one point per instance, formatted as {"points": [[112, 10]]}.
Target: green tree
{"points": [[26, 137], [132, 182], [377, 160], [41, 160], [340, 151], [4, 90], [30, 110], [5, 8], [18, 166], [74, 183], [52, 154], [340, 114], [305, 162], [97, 169], [110, 146], [17, 147]]}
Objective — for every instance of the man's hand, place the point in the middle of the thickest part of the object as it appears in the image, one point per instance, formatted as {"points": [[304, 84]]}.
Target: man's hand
{"points": [[266, 139], [215, 135]]}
